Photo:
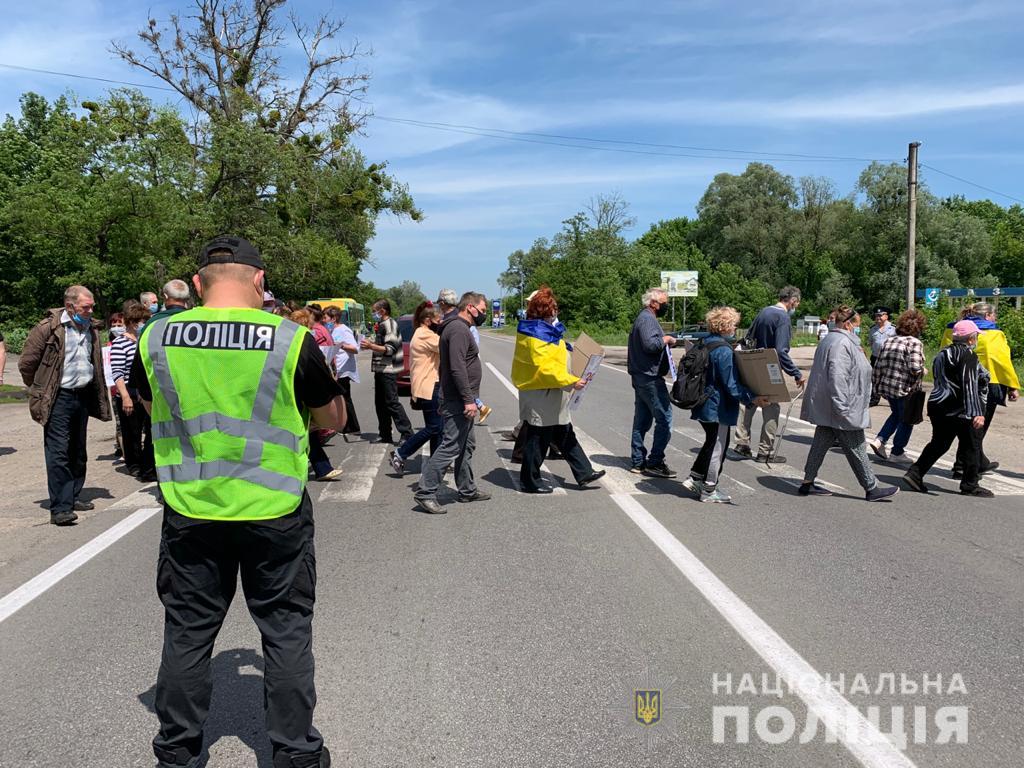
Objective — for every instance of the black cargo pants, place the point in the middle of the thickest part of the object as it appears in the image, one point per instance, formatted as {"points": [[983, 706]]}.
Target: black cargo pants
{"points": [[196, 576]]}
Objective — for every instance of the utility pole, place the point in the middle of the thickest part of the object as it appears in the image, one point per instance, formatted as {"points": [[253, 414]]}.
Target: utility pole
{"points": [[911, 221]]}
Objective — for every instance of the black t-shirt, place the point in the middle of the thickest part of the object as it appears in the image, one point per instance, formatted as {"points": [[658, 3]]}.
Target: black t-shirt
{"points": [[315, 386]]}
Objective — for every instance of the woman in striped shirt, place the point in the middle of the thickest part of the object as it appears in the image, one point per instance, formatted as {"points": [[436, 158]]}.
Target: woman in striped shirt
{"points": [[956, 407], [135, 424]]}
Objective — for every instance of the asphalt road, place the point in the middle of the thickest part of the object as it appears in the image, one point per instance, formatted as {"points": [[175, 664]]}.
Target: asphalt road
{"points": [[517, 632]]}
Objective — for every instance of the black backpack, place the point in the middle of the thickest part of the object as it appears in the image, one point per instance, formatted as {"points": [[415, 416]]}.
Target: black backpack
{"points": [[690, 388]]}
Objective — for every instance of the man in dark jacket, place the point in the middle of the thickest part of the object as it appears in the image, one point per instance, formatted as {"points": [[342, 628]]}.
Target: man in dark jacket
{"points": [[648, 360], [771, 329], [62, 366], [460, 375]]}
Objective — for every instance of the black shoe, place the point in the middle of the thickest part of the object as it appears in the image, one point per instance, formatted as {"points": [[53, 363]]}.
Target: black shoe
{"points": [[878, 493], [475, 496], [992, 467], [742, 450], [543, 489], [148, 476], [915, 483], [593, 478], [762, 458], [63, 518], [638, 469], [978, 492], [383, 440], [84, 506], [658, 470], [957, 474], [810, 489], [431, 506]]}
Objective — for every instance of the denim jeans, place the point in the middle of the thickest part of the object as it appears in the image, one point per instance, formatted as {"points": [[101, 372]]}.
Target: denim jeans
{"points": [[458, 441], [650, 405], [894, 424], [65, 449], [433, 425]]}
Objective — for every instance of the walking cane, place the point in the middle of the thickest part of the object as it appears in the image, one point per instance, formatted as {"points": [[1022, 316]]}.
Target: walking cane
{"points": [[782, 430]]}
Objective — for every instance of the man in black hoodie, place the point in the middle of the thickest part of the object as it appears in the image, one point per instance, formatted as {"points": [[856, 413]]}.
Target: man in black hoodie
{"points": [[460, 375]]}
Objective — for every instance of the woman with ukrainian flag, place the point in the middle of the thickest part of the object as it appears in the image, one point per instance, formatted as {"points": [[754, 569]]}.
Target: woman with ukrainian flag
{"points": [[994, 354], [540, 370]]}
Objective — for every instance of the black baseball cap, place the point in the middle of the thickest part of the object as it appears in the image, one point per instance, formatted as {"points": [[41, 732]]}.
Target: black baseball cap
{"points": [[230, 250], [881, 310]]}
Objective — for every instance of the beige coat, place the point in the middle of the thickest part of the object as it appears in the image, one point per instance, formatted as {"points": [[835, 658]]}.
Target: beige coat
{"points": [[425, 359], [545, 407]]}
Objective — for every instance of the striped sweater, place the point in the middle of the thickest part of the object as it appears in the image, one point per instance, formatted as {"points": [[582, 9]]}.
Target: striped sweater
{"points": [[961, 382], [122, 352]]}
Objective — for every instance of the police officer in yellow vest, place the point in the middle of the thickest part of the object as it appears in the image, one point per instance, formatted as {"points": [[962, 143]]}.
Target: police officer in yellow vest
{"points": [[231, 390]]}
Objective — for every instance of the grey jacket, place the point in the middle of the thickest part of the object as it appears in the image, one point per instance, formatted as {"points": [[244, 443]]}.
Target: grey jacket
{"points": [[839, 388]]}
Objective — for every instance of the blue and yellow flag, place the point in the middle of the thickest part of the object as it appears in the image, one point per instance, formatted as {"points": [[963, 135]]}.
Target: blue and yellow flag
{"points": [[992, 350], [541, 359]]}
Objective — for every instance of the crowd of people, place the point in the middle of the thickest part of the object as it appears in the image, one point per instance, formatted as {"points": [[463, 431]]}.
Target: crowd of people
{"points": [[972, 375]]}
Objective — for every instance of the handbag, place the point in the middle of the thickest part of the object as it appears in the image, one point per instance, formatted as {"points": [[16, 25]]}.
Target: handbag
{"points": [[913, 407], [416, 403]]}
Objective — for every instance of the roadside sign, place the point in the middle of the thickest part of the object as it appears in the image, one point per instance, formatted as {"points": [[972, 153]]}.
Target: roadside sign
{"points": [[931, 297], [680, 283]]}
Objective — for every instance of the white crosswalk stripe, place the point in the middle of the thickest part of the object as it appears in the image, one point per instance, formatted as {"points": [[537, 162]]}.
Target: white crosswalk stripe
{"points": [[362, 465]]}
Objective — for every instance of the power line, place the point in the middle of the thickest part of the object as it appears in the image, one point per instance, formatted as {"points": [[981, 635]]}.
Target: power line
{"points": [[561, 140], [87, 77], [528, 137], [973, 184], [425, 123]]}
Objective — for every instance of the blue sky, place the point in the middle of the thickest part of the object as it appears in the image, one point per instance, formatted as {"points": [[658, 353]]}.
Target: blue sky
{"points": [[827, 78]]}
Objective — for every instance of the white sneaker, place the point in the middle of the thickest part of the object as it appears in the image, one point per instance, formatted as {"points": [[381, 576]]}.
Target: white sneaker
{"points": [[693, 486], [715, 497], [880, 449], [397, 464]]}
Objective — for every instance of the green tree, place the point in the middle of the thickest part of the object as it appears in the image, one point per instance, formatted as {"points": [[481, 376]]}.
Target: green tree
{"points": [[746, 220]]}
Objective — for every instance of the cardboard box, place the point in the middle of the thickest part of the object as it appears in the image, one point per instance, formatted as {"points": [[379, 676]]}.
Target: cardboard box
{"points": [[760, 372], [586, 359], [583, 349]]}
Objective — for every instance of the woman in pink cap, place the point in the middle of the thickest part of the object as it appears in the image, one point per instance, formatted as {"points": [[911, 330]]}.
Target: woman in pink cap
{"points": [[956, 406]]}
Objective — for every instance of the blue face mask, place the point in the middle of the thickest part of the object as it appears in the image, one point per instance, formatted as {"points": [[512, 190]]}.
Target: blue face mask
{"points": [[329, 326], [79, 319], [117, 330], [153, 307], [138, 331], [376, 317], [857, 330], [792, 311]]}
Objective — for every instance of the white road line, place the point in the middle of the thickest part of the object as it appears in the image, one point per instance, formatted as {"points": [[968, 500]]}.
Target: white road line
{"points": [[853, 730], [135, 500], [30, 590], [361, 469], [507, 384]]}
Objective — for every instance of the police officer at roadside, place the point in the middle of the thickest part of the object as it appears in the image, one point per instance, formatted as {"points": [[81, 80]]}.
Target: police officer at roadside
{"points": [[231, 390]]}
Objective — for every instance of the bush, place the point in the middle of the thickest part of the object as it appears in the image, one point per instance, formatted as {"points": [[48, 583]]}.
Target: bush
{"points": [[14, 339], [938, 319], [1011, 321]]}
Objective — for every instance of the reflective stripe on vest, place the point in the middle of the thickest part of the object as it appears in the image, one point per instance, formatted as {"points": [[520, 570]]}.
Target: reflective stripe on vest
{"points": [[256, 431]]}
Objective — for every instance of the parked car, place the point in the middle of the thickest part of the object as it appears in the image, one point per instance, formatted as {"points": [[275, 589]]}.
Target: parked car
{"points": [[405, 330], [692, 333]]}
